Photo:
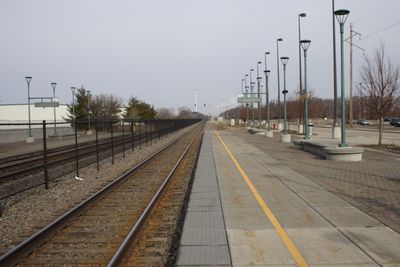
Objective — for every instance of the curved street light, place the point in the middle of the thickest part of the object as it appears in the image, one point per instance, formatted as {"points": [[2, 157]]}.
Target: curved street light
{"points": [[279, 84], [299, 16]]}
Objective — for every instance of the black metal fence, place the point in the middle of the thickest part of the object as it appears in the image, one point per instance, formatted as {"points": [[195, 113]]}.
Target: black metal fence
{"points": [[52, 150]]}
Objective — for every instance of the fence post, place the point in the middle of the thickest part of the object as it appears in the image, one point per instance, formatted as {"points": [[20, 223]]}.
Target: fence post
{"points": [[46, 177], [76, 149], [132, 137], [112, 142], [145, 132], [97, 145], [123, 139], [140, 137]]}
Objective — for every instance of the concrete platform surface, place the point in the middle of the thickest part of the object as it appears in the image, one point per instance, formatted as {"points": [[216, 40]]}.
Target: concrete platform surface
{"points": [[273, 216]]}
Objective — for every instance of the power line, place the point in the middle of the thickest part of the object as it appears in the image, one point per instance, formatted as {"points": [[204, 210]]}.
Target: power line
{"points": [[381, 30], [373, 11]]}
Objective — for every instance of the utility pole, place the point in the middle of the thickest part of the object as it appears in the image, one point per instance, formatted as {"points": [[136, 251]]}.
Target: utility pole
{"points": [[352, 34]]}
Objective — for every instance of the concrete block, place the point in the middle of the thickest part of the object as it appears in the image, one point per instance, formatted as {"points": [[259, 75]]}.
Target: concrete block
{"points": [[300, 128], [351, 154], [336, 133], [30, 139], [269, 133], [285, 138]]}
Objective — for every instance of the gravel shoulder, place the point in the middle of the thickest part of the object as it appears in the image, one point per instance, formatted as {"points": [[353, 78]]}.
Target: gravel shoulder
{"points": [[27, 213]]}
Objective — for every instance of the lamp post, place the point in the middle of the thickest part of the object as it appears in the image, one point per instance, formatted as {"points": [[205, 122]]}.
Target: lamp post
{"points": [[279, 84], [301, 15], [284, 92], [73, 101], [335, 123], [258, 93], [53, 85], [267, 72], [28, 81], [246, 95], [241, 111], [252, 96], [305, 45], [341, 16]]}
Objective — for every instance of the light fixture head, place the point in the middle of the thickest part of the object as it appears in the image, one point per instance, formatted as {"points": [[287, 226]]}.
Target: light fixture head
{"points": [[267, 72], [285, 92], [73, 88], [341, 15], [267, 53], [53, 85], [259, 62], [284, 60], [302, 15], [251, 69], [28, 79], [246, 75], [305, 44], [279, 39]]}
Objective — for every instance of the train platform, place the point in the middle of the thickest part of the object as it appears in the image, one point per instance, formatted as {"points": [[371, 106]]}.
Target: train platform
{"points": [[249, 207]]}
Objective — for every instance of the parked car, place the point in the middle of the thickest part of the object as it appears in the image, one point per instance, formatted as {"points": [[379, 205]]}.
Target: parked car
{"points": [[363, 122], [394, 121], [387, 119], [397, 124]]}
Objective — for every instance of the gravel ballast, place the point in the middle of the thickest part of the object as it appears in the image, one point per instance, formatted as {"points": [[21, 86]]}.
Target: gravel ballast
{"points": [[25, 214]]}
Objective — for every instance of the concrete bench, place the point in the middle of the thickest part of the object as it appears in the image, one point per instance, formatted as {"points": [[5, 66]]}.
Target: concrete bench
{"points": [[256, 131], [351, 154]]}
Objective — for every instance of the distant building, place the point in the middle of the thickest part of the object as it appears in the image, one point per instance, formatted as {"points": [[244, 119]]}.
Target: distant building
{"points": [[18, 113]]}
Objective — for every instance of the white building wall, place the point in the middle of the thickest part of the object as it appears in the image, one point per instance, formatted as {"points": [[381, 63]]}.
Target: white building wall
{"points": [[18, 113]]}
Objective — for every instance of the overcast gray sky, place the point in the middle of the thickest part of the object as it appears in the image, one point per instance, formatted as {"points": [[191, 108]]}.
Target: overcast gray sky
{"points": [[161, 51]]}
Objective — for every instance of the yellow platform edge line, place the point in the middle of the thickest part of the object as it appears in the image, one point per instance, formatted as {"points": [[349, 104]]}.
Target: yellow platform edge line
{"points": [[271, 217]]}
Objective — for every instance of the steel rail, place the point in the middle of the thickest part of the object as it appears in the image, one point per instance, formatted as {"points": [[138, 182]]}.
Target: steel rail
{"points": [[11, 257], [116, 259]]}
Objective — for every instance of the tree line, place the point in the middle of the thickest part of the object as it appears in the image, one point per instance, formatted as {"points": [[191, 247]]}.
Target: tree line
{"points": [[107, 107]]}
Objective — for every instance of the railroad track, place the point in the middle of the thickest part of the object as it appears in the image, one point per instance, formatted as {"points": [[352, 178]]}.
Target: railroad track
{"points": [[101, 230]]}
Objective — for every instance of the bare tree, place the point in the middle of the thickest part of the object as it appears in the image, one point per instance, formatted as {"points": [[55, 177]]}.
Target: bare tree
{"points": [[379, 85], [165, 113]]}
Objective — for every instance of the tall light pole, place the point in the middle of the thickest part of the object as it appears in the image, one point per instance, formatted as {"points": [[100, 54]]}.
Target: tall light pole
{"points": [[28, 81], [305, 45], [279, 83], [266, 73], [301, 15], [341, 16], [284, 92], [73, 101], [252, 96], [241, 111], [335, 123], [246, 95], [258, 93], [53, 85]]}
